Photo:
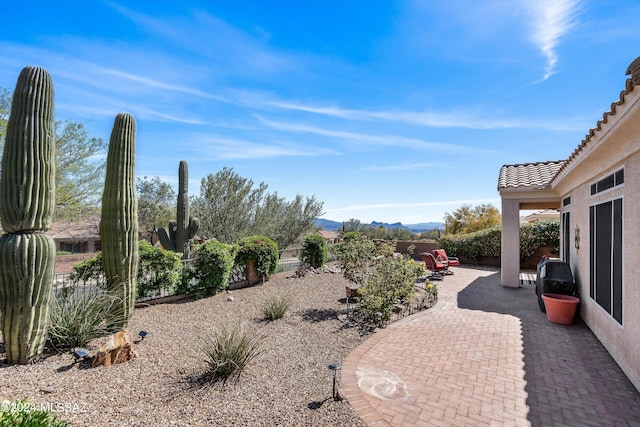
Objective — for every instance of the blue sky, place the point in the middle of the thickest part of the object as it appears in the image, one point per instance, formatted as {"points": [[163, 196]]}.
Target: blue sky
{"points": [[384, 110]]}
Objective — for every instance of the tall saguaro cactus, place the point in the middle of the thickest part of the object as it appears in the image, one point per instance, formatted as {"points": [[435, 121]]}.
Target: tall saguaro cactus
{"points": [[119, 218], [27, 200], [180, 231]]}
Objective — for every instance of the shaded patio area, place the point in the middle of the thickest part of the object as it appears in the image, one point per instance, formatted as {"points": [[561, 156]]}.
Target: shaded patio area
{"points": [[487, 355]]}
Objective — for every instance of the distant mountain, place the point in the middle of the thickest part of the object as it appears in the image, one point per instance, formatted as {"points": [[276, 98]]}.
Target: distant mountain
{"points": [[327, 224], [425, 226]]}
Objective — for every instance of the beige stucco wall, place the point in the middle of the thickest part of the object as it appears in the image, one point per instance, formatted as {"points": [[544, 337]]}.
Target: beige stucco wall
{"points": [[623, 342], [616, 145]]}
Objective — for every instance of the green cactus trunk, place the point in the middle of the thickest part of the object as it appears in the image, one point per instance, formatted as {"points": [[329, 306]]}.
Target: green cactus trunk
{"points": [[180, 232], [27, 200], [119, 219]]}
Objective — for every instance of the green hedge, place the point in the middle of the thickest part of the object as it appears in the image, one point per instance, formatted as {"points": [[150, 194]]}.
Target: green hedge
{"points": [[314, 251], [211, 268], [487, 243], [262, 250]]}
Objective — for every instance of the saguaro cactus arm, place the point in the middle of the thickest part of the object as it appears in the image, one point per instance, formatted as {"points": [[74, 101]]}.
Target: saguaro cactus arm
{"points": [[180, 232]]}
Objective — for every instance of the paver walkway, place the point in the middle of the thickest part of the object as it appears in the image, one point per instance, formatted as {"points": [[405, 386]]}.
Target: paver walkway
{"points": [[486, 355]]}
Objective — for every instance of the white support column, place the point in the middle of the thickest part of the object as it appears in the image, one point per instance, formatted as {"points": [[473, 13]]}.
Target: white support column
{"points": [[510, 250]]}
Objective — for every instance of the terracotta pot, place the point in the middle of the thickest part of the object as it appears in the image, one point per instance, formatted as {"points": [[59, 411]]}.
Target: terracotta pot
{"points": [[560, 308], [252, 274]]}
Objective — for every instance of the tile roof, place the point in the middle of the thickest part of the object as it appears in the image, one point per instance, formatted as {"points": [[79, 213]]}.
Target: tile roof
{"points": [[534, 175], [541, 174], [77, 230]]}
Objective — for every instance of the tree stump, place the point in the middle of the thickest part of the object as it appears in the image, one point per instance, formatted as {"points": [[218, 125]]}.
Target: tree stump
{"points": [[118, 348]]}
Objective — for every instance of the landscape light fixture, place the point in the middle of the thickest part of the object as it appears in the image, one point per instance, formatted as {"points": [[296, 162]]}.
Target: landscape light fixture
{"points": [[81, 353], [334, 367]]}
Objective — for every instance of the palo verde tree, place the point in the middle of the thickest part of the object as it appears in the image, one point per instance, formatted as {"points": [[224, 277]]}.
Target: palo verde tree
{"points": [[231, 207], [467, 219], [156, 202], [27, 200]]}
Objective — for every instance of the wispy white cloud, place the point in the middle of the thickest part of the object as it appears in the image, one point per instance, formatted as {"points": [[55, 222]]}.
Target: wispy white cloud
{"points": [[369, 139], [210, 148], [551, 19], [462, 118]]}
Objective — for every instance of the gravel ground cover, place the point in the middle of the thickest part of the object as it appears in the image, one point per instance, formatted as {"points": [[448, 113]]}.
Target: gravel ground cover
{"points": [[288, 384]]}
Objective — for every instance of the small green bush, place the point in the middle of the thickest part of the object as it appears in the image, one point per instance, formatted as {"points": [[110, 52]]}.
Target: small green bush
{"points": [[89, 269], [22, 413], [77, 317], [211, 267], [275, 306], [355, 256], [391, 283], [157, 269], [229, 349], [262, 250], [314, 251]]}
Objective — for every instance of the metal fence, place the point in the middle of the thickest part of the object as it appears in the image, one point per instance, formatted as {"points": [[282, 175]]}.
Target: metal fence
{"points": [[289, 260], [401, 311]]}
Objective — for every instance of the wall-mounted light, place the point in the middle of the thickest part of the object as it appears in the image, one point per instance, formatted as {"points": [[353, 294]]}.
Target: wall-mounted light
{"points": [[577, 237]]}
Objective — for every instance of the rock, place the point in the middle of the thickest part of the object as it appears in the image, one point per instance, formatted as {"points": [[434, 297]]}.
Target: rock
{"points": [[47, 389], [118, 348], [230, 298]]}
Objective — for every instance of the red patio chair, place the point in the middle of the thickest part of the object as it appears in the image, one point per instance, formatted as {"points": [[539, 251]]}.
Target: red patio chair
{"points": [[437, 268], [441, 254]]}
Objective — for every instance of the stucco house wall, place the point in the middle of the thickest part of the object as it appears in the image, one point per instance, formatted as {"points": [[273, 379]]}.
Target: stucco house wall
{"points": [[618, 147], [613, 145]]}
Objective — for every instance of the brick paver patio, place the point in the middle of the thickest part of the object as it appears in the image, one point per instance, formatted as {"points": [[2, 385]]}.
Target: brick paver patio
{"points": [[486, 355]]}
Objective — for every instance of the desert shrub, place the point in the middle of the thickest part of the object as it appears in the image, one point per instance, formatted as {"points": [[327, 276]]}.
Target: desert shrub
{"points": [[229, 349], [392, 282], [351, 235], [314, 251], [262, 251], [355, 256], [211, 267], [158, 269], [78, 317], [88, 269], [488, 242], [275, 306], [386, 278], [21, 413]]}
